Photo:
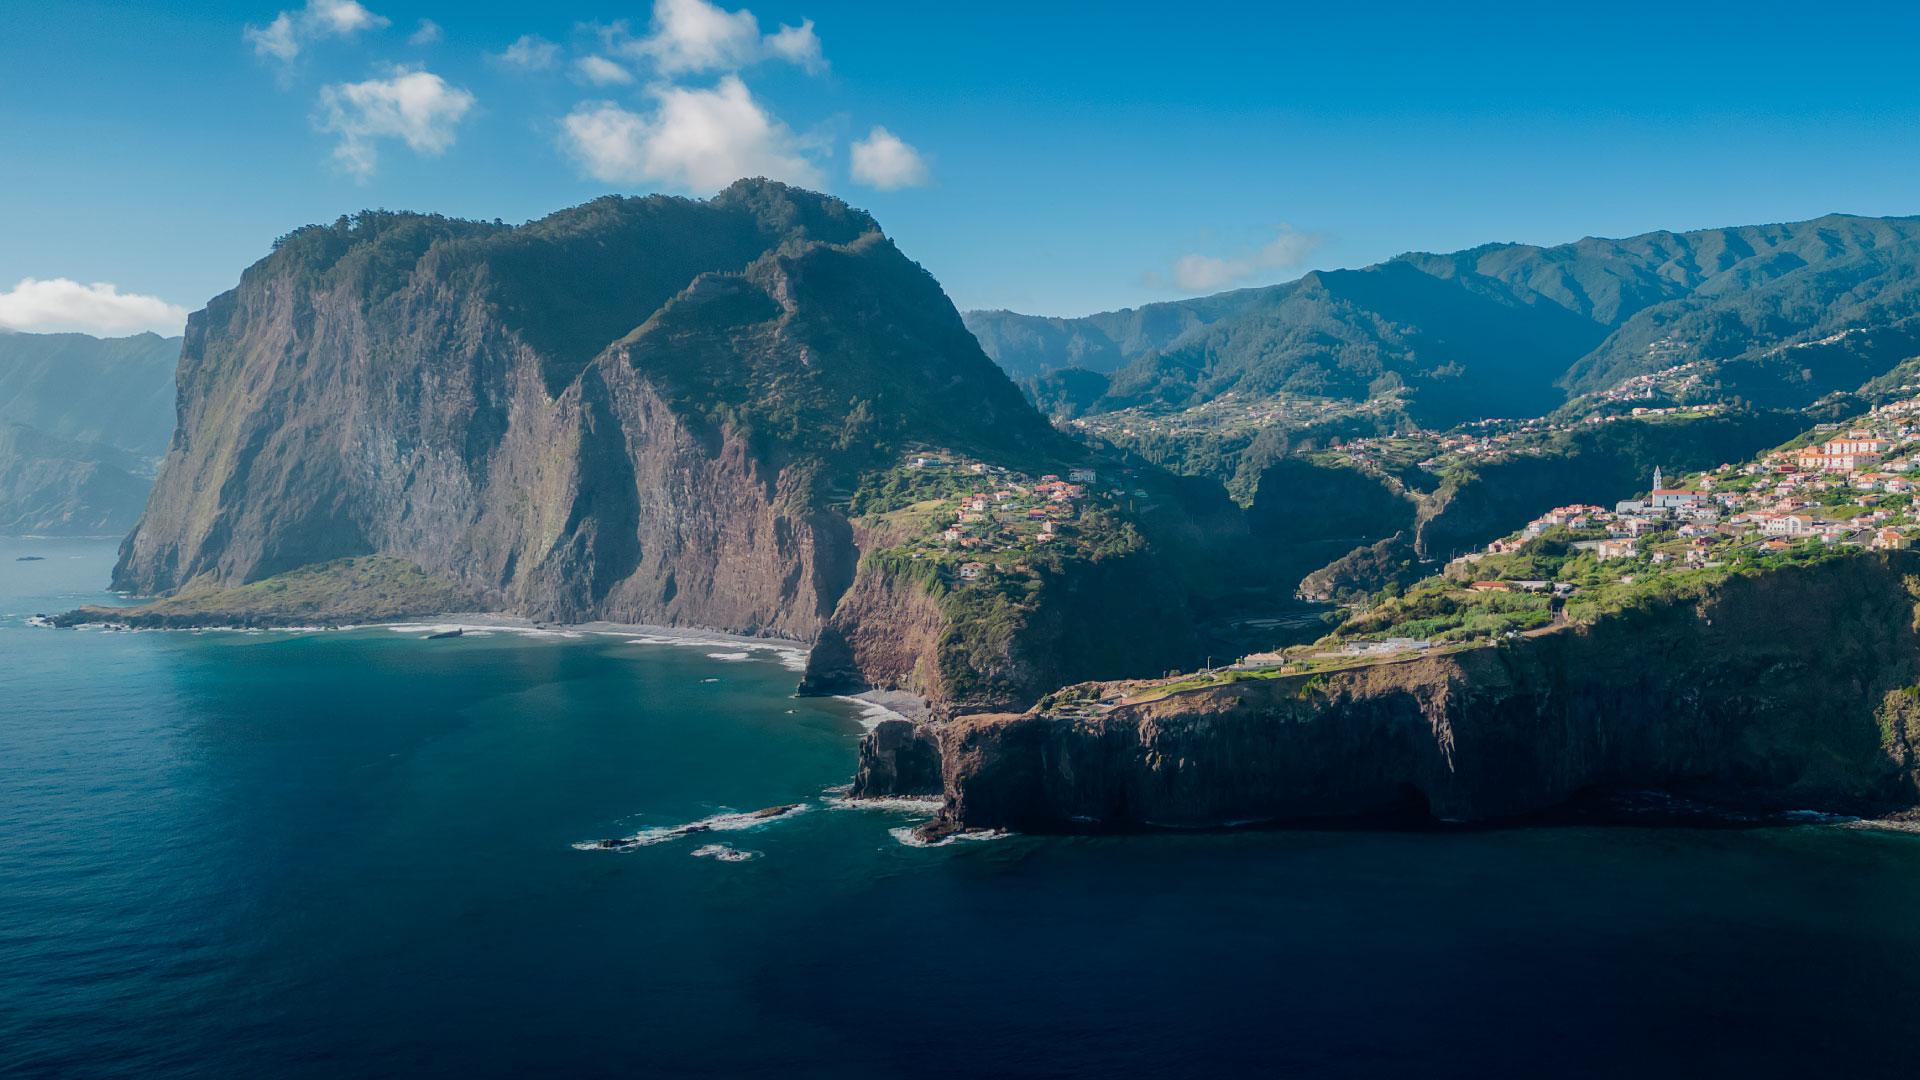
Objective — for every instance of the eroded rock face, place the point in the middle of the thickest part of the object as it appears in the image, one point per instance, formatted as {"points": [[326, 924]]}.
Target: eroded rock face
{"points": [[1091, 618], [898, 758], [1789, 690], [626, 411]]}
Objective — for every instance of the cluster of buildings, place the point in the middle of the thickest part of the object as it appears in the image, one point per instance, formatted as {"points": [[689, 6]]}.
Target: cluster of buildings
{"points": [[1013, 509], [1852, 488], [1669, 379]]}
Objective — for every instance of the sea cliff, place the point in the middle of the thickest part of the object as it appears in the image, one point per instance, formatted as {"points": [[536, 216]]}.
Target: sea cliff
{"points": [[638, 410], [1791, 689]]}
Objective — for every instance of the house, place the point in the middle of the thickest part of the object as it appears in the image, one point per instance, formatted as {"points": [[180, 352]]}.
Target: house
{"points": [[971, 570], [1837, 461], [1889, 540], [954, 533], [1662, 557], [1082, 476], [1790, 525], [1036, 514], [1488, 586], [1530, 585], [1616, 549]]}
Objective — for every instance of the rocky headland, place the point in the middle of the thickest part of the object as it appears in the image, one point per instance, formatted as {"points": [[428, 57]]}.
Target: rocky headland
{"points": [[1792, 689], [647, 411]]}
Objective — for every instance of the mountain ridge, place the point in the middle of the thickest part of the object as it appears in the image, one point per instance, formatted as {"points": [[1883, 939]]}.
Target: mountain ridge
{"points": [[1629, 305]]}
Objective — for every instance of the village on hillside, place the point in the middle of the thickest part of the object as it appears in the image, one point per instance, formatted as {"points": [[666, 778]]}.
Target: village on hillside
{"points": [[970, 517], [1841, 488]]}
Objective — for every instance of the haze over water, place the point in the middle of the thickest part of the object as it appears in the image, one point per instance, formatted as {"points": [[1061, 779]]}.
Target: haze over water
{"points": [[352, 853]]}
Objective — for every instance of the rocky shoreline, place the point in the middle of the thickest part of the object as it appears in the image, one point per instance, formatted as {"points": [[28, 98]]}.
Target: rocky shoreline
{"points": [[1790, 690]]}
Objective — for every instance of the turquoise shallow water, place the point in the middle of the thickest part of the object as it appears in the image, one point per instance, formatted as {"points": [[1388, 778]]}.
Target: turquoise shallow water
{"points": [[351, 854]]}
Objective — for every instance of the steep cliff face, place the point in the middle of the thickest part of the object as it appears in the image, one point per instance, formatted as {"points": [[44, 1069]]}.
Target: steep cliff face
{"points": [[633, 410], [1791, 689], [1005, 644]]}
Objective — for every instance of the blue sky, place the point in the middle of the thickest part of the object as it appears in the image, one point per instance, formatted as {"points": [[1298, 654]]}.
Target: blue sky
{"points": [[1056, 159]]}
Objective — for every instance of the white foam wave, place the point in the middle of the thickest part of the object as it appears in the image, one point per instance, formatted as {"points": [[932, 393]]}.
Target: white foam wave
{"points": [[724, 852], [481, 629], [906, 835], [791, 657], [871, 713], [898, 804], [731, 821]]}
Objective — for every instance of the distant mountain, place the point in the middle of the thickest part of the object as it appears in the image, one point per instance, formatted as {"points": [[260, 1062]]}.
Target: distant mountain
{"points": [[1503, 329], [114, 391], [83, 423], [51, 486]]}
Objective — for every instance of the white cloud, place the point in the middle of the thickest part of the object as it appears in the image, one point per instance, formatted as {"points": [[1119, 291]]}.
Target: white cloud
{"points": [[427, 33], [699, 140], [532, 52], [417, 107], [291, 31], [881, 160], [693, 36], [60, 305], [1195, 272], [797, 45], [601, 71]]}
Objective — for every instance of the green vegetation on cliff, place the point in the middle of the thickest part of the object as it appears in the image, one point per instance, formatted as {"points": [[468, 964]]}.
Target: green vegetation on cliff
{"points": [[366, 588]]}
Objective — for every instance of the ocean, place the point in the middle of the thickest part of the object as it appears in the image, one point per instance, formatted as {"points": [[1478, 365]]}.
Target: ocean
{"points": [[360, 853]]}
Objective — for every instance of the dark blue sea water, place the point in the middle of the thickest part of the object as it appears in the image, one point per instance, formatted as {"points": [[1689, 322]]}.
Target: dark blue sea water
{"points": [[351, 854]]}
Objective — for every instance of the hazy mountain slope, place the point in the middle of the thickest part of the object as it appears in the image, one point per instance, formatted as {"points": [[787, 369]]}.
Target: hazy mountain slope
{"points": [[1031, 345], [83, 421], [51, 486], [116, 391], [633, 409], [1501, 328]]}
